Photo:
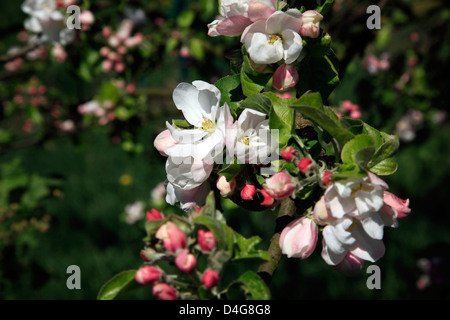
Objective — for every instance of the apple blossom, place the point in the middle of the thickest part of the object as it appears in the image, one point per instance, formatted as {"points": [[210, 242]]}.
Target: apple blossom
{"points": [[87, 19], [172, 236], [326, 177], [299, 238], [348, 235], [310, 24], [187, 173], [185, 261], [210, 278], [199, 103], [248, 192], [321, 213], [250, 139], [147, 275], [164, 291], [46, 19], [280, 186], [226, 187], [272, 40], [206, 240], [285, 77], [236, 15]]}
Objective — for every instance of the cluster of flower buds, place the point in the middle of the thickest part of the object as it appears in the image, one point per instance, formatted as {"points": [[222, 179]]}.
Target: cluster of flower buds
{"points": [[104, 111], [120, 42], [34, 94], [171, 243]]}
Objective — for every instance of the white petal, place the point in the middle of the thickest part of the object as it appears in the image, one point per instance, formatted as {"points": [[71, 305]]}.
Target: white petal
{"points": [[262, 52], [292, 46], [186, 136], [330, 257], [186, 99], [367, 248], [280, 21], [373, 225]]}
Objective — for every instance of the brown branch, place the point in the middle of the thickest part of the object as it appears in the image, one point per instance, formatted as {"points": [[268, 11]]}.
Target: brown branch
{"points": [[285, 215], [20, 52]]}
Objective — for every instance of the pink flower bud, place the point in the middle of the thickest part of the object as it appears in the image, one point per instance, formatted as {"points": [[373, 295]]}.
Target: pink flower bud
{"points": [[299, 238], [210, 278], [185, 261], [351, 265], [130, 88], [326, 177], [163, 141], [86, 19], [173, 237], [321, 213], [289, 154], [206, 240], [225, 187], [310, 24], [399, 205], [356, 114], [164, 291], [120, 67], [154, 215], [285, 77], [147, 275], [279, 186], [248, 192], [268, 200], [106, 32], [107, 65], [305, 165]]}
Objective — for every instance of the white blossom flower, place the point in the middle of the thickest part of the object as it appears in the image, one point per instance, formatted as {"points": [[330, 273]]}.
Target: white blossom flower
{"points": [[187, 173], [199, 103], [134, 212], [249, 138], [347, 235], [277, 38], [236, 15], [47, 20], [187, 198]]}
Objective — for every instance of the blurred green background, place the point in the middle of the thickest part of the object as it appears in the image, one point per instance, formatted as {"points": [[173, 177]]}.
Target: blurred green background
{"points": [[63, 194]]}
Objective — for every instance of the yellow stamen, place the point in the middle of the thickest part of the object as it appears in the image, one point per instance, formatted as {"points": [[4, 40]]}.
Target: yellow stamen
{"points": [[206, 124], [246, 141], [273, 38]]}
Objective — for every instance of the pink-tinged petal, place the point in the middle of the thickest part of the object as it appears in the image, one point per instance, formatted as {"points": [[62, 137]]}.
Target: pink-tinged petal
{"points": [[280, 21], [201, 171], [257, 27], [233, 26], [375, 180], [259, 11], [285, 77], [399, 205], [163, 141]]}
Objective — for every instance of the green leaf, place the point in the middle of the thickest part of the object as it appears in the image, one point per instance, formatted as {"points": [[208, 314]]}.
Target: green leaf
{"points": [[197, 49], [359, 150], [327, 123], [253, 84], [252, 286], [281, 118], [231, 91], [231, 170], [185, 18], [385, 167], [258, 102], [325, 7], [245, 248], [119, 284], [387, 150], [310, 99], [181, 124]]}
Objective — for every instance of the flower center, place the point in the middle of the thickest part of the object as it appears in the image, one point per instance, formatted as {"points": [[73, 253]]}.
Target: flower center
{"points": [[273, 38], [246, 140], [207, 124]]}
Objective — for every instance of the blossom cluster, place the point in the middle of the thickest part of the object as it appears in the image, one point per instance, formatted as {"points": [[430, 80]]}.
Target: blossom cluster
{"points": [[352, 214], [192, 152], [173, 244]]}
